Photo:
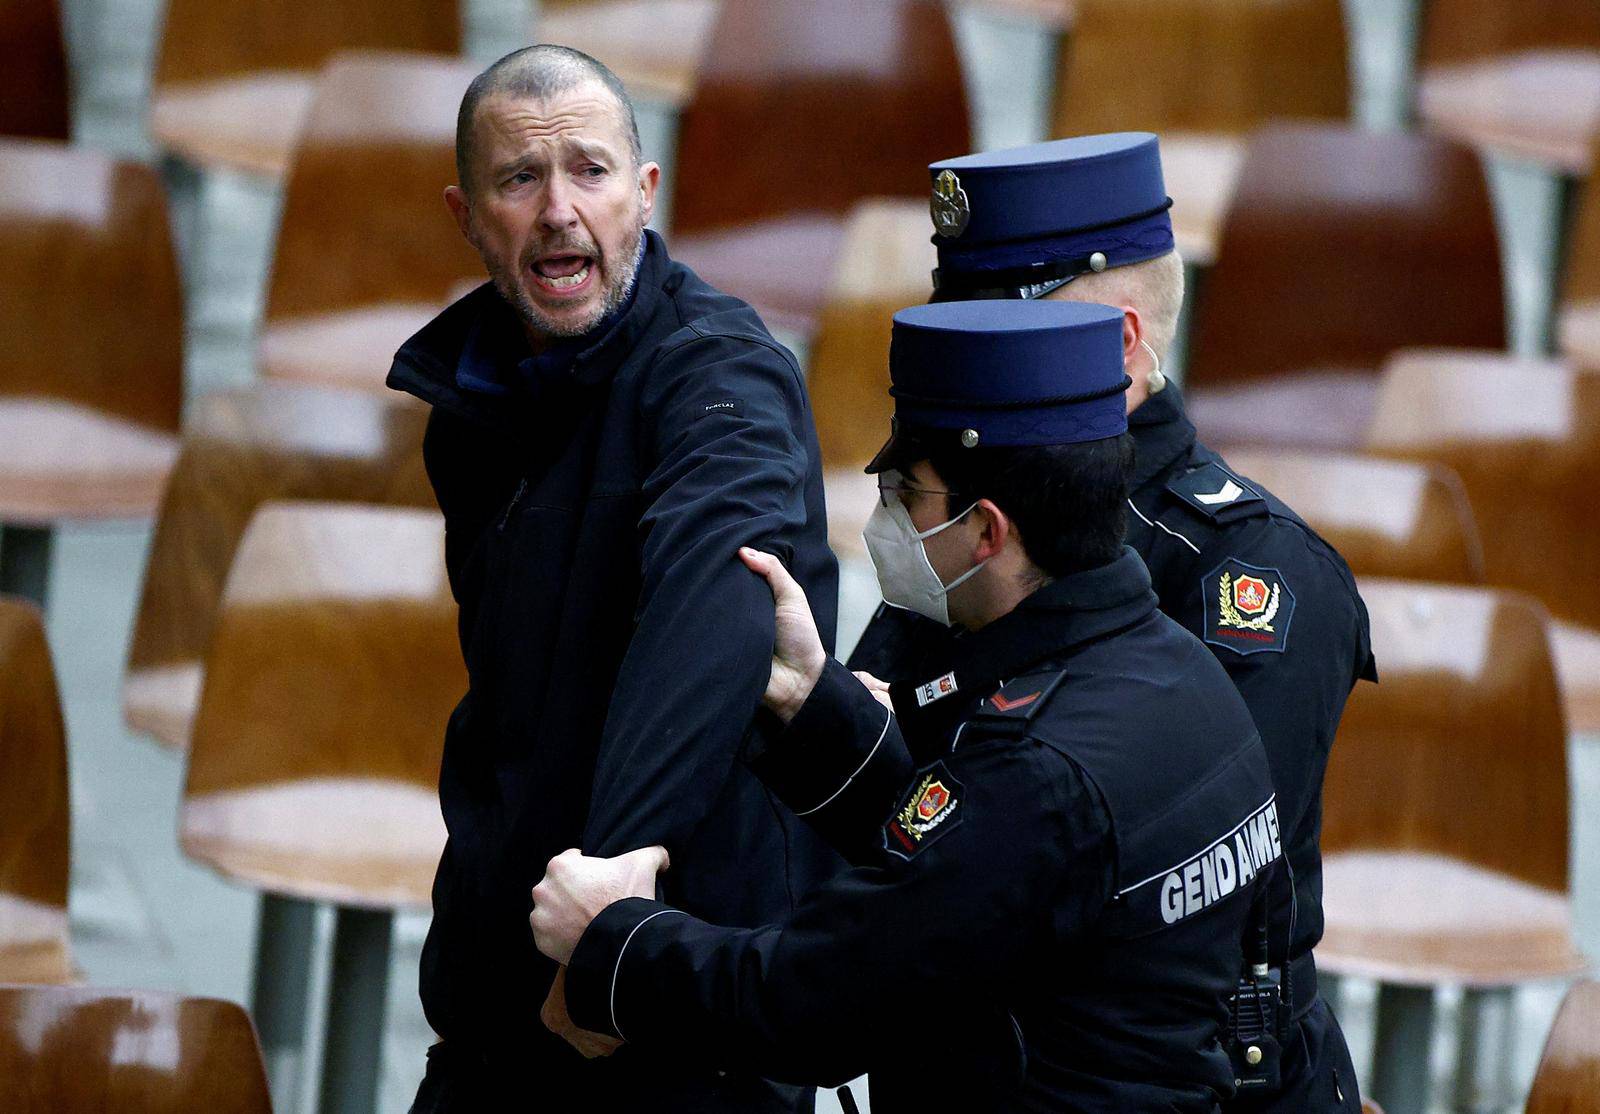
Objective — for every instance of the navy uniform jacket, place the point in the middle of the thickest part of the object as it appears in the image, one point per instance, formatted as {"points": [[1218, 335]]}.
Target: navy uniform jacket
{"points": [[616, 647], [1275, 603], [1074, 847]]}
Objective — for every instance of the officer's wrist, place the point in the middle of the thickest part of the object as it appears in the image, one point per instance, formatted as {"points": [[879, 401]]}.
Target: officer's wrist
{"points": [[797, 687]]}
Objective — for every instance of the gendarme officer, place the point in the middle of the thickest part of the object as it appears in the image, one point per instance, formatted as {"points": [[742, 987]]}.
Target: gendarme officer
{"points": [[1056, 840], [1086, 219]]}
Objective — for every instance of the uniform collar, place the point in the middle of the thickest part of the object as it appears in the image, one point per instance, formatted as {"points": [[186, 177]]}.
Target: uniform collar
{"points": [[1052, 622], [1162, 433]]}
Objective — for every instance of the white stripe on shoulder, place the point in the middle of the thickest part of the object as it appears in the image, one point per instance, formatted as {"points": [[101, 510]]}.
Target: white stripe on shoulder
{"points": [[1162, 526], [615, 971]]}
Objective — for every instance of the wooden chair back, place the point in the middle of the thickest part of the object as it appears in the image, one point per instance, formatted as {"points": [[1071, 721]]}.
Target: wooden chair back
{"points": [[82, 1048], [1388, 518], [335, 652], [1200, 65], [242, 449], [35, 813], [91, 311], [1461, 742], [206, 39], [364, 220], [1466, 30], [35, 83], [1525, 439], [1568, 1079], [1335, 252], [812, 106], [1579, 312]]}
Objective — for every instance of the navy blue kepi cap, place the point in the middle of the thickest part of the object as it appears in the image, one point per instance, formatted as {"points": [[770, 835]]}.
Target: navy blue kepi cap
{"points": [[1008, 221], [988, 373]]}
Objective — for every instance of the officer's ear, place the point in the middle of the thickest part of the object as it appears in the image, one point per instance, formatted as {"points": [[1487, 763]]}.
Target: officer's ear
{"points": [[1132, 332], [995, 529]]}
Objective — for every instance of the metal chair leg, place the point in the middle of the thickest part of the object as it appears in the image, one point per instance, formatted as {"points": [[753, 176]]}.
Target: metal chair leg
{"points": [[1486, 1030], [358, 985], [280, 987], [25, 562], [1403, 1032]]}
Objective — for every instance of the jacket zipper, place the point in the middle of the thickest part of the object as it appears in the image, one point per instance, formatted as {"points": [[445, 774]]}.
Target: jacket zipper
{"points": [[522, 486]]}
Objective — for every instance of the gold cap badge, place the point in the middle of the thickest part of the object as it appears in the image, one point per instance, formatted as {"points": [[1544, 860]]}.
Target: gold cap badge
{"points": [[949, 206]]}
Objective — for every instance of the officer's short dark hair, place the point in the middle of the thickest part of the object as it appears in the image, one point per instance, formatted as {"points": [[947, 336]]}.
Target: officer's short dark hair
{"points": [[537, 72], [1070, 502]]}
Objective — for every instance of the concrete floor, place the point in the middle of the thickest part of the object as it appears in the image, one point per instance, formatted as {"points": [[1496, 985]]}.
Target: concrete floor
{"points": [[144, 916]]}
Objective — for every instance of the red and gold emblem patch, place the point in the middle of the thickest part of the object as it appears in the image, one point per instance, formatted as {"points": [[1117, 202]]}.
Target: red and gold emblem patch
{"points": [[1250, 595], [930, 809]]}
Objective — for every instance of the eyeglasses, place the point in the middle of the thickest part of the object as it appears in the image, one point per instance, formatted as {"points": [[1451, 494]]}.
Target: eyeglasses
{"points": [[897, 490]]}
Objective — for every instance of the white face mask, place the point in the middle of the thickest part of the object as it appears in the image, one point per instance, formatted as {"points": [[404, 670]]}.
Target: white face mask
{"points": [[905, 576]]}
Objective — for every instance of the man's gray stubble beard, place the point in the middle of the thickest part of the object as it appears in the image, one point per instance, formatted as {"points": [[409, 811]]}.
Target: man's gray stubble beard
{"points": [[615, 294]]}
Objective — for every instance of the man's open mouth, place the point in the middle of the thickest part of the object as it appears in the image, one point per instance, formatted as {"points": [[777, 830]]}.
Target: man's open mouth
{"points": [[563, 274]]}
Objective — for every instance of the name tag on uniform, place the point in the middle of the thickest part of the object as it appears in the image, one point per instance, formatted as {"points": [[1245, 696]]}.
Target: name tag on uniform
{"points": [[936, 689]]}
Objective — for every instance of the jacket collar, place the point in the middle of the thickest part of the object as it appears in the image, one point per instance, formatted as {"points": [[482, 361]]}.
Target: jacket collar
{"points": [[1162, 433], [452, 361], [1064, 615]]}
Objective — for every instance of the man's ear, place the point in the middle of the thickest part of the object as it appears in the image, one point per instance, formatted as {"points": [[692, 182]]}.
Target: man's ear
{"points": [[649, 182], [996, 528], [460, 206], [1132, 332]]}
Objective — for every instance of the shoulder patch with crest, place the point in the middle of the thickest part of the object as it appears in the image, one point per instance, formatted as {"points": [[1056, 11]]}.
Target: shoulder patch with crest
{"points": [[1248, 609], [935, 804], [1217, 493]]}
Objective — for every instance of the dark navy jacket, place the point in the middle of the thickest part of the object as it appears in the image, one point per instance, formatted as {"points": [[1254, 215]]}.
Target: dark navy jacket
{"points": [[616, 647], [1082, 813], [1292, 632]]}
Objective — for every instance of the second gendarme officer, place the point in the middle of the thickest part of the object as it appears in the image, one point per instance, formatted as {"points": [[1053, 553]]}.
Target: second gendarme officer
{"points": [[1068, 824], [1086, 219]]}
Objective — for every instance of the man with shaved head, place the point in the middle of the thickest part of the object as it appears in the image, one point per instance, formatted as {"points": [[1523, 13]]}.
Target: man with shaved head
{"points": [[607, 431]]}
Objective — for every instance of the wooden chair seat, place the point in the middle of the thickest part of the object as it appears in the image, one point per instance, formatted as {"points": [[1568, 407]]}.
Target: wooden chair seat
{"points": [[1328, 409], [366, 842], [334, 665], [655, 46], [249, 122], [35, 819], [1385, 517], [1419, 919], [1568, 1078], [1539, 105], [772, 264], [80, 1048], [1201, 171], [160, 701], [59, 460], [1578, 330], [351, 348]]}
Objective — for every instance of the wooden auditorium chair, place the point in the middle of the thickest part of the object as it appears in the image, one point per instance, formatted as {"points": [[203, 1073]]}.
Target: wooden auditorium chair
{"points": [[366, 251], [235, 77], [1341, 246], [35, 815], [655, 46], [314, 766], [1385, 517], [1520, 79], [1568, 1078], [66, 1049], [91, 347], [885, 263], [35, 82], [802, 110], [1525, 438], [1445, 830], [241, 449], [1202, 74]]}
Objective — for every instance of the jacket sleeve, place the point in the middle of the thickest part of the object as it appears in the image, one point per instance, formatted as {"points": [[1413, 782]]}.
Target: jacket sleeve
{"points": [[725, 420], [1296, 691], [824, 995], [838, 765]]}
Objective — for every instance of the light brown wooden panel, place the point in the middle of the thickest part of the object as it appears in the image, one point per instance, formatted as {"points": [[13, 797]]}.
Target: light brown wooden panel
{"points": [[1568, 1079]]}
